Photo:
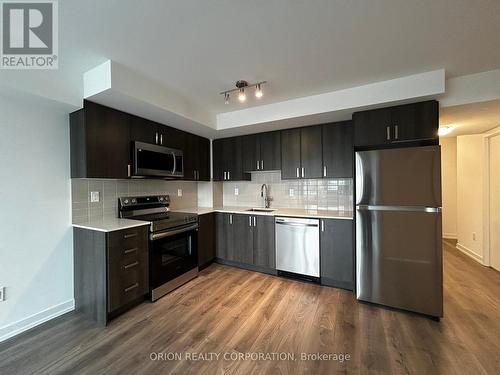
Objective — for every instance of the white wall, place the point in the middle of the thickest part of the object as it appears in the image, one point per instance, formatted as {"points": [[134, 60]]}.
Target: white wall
{"points": [[36, 251], [470, 194], [449, 185]]}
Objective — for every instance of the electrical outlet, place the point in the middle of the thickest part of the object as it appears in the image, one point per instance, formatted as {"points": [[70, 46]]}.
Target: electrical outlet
{"points": [[473, 236], [236, 191], [94, 196], [2, 293], [179, 192], [291, 192]]}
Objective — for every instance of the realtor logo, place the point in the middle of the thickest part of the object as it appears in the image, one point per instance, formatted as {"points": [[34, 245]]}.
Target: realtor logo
{"points": [[29, 34]]}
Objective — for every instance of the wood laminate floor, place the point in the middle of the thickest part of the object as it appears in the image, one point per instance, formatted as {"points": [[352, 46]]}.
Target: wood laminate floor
{"points": [[232, 312]]}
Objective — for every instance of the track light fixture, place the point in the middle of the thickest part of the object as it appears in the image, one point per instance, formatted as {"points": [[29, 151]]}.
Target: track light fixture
{"points": [[241, 86]]}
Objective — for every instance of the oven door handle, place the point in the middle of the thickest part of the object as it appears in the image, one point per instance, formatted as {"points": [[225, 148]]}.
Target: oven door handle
{"points": [[157, 236]]}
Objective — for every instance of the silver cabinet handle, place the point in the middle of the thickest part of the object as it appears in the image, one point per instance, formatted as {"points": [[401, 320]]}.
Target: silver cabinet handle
{"points": [[249, 221], [322, 225], [228, 175], [262, 164], [324, 170], [254, 221], [224, 176], [128, 170], [132, 287], [298, 175], [126, 236], [161, 139], [396, 132], [156, 138], [131, 265], [257, 165], [388, 131], [230, 219], [128, 251], [303, 172]]}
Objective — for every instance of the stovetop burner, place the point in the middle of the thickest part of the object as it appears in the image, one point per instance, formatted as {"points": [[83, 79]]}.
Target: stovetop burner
{"points": [[156, 210]]}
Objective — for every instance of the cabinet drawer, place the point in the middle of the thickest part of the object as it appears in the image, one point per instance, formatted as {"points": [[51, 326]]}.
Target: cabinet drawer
{"points": [[128, 238], [127, 280]]}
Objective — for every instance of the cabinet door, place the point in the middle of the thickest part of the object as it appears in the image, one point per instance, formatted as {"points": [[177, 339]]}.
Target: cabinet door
{"points": [[171, 137], [191, 157], [204, 159], [234, 160], [206, 239], [270, 151], [290, 153], [108, 142], [311, 152], [243, 238], [143, 130], [264, 240], [372, 128], [218, 159], [224, 236], [413, 122], [251, 152], [338, 154], [337, 253]]}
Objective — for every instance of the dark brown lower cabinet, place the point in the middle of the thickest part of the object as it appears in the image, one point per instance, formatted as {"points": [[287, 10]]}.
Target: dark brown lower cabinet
{"points": [[246, 240], [264, 254], [224, 236], [337, 253], [111, 271], [206, 240]]}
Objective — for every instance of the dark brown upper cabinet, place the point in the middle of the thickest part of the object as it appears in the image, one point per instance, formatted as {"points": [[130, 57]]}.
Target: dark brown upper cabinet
{"points": [[262, 152], [228, 160], [405, 124], [301, 153], [338, 155], [100, 142], [196, 158]]}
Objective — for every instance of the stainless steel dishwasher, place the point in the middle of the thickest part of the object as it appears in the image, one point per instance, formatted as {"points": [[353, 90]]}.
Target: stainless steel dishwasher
{"points": [[297, 246]]}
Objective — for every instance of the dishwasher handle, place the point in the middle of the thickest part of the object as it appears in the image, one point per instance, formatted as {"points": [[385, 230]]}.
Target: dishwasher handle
{"points": [[296, 224]]}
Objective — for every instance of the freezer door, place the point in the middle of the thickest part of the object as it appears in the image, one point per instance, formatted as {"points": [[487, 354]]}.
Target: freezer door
{"points": [[403, 177], [399, 259]]}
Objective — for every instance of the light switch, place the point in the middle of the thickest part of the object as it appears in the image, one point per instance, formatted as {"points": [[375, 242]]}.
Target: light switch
{"points": [[179, 192], [291, 192], [236, 191], [94, 196]]}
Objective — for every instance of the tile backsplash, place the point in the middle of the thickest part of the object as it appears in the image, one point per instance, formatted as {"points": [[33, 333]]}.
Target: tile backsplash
{"points": [[110, 190], [320, 194]]}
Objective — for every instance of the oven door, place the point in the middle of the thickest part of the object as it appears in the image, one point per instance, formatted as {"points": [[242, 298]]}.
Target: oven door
{"points": [[172, 254], [157, 161]]}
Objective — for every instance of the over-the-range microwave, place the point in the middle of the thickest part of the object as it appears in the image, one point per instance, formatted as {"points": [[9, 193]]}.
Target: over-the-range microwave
{"points": [[157, 161]]}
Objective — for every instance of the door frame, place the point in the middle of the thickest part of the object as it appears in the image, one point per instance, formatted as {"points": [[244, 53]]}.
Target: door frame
{"points": [[486, 200]]}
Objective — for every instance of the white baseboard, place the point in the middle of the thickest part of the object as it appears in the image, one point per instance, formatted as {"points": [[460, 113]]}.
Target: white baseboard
{"points": [[31, 321], [478, 258], [450, 236]]}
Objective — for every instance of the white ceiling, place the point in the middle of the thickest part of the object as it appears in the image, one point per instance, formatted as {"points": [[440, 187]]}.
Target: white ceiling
{"points": [[198, 48], [472, 118]]}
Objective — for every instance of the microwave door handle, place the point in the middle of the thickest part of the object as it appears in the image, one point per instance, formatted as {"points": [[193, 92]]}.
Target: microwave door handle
{"points": [[175, 162]]}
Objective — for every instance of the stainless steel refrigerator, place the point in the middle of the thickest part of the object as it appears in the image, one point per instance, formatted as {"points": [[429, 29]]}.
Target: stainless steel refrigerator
{"points": [[398, 229]]}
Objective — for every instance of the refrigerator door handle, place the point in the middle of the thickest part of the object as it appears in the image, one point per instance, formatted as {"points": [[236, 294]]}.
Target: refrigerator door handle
{"points": [[365, 207]]}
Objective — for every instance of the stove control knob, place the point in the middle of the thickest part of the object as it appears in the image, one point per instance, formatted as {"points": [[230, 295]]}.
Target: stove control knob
{"points": [[126, 201], [161, 199], [134, 200]]}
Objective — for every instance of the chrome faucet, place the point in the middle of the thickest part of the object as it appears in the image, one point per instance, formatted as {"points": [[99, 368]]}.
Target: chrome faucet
{"points": [[267, 198]]}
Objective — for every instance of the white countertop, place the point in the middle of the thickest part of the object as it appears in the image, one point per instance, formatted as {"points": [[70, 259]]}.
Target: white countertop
{"points": [[109, 224], [294, 212]]}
